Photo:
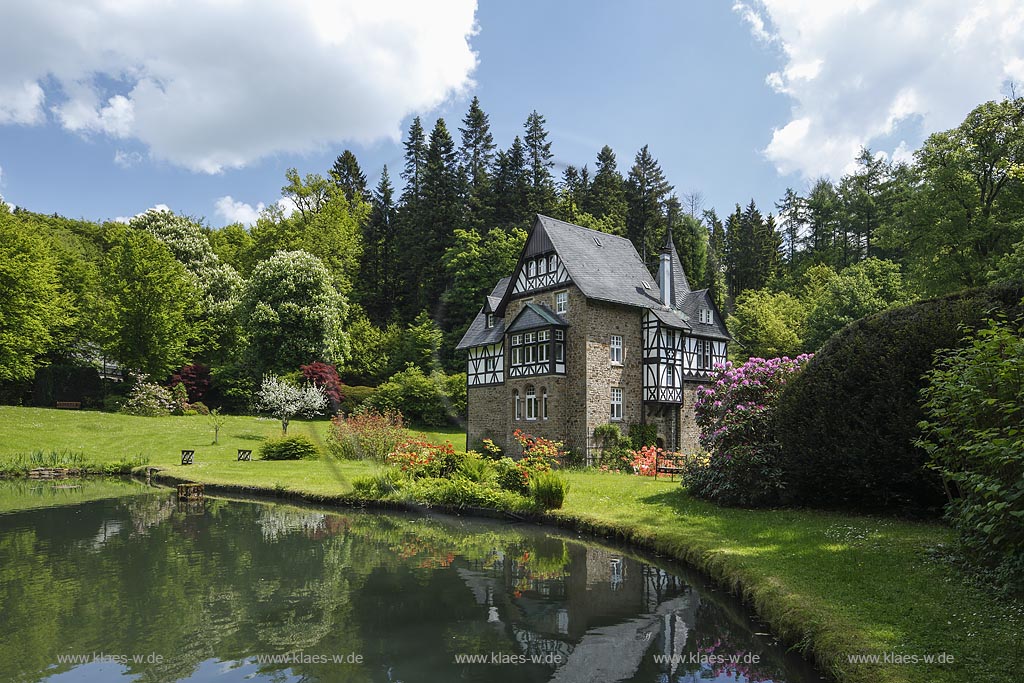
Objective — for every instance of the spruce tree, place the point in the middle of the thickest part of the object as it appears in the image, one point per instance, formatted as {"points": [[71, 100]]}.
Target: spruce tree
{"points": [[476, 155], [606, 195], [646, 192], [442, 213], [512, 188], [377, 276], [539, 163], [348, 177]]}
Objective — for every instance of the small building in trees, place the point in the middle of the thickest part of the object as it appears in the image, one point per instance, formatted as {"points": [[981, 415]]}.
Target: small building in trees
{"points": [[580, 335]]}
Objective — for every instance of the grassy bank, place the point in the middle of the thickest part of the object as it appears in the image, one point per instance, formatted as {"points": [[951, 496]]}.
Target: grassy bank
{"points": [[839, 584]]}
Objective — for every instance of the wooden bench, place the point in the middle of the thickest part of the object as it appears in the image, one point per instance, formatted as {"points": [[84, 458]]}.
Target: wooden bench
{"points": [[671, 464], [187, 457], [244, 454], [69, 405]]}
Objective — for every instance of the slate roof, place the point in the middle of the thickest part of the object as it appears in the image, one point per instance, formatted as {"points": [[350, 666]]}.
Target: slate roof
{"points": [[607, 268], [692, 302], [535, 315], [604, 267], [478, 334]]}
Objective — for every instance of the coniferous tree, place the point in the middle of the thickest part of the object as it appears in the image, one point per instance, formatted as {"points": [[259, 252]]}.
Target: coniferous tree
{"points": [[348, 176], [476, 155], [569, 193], [442, 213], [512, 188], [823, 222], [793, 213], [691, 240], [714, 273], [410, 218], [606, 195], [377, 277], [646, 192], [539, 163]]}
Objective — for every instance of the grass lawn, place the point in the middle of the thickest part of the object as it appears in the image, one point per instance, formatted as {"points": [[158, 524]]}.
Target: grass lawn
{"points": [[843, 584]]}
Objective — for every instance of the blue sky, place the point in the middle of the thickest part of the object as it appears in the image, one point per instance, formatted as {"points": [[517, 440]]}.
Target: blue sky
{"points": [[105, 113]]}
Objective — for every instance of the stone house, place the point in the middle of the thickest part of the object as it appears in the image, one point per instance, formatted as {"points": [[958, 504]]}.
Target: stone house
{"points": [[580, 335]]}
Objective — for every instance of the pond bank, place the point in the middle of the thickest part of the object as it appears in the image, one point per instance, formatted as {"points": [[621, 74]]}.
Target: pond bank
{"points": [[832, 586]]}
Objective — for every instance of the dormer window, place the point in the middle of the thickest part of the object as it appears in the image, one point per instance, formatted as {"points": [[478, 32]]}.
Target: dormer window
{"points": [[706, 316], [488, 320]]}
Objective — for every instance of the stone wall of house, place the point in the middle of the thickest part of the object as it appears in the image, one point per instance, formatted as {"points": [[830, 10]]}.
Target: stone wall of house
{"points": [[689, 432], [487, 419], [603, 321]]}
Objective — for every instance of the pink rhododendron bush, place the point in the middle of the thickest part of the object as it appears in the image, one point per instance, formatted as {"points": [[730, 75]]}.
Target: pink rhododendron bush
{"points": [[735, 415]]}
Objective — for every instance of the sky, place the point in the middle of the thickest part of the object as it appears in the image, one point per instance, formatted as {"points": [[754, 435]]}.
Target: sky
{"points": [[108, 109]]}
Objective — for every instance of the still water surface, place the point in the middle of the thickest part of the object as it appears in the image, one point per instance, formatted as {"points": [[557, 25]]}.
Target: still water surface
{"points": [[109, 580]]}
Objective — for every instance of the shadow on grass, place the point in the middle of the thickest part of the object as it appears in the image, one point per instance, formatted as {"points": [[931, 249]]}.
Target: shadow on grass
{"points": [[250, 436]]}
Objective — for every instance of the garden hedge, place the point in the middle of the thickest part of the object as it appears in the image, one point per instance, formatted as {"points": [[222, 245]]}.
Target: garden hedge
{"points": [[848, 422]]}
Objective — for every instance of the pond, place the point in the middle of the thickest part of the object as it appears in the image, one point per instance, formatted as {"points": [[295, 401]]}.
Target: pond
{"points": [[108, 580]]}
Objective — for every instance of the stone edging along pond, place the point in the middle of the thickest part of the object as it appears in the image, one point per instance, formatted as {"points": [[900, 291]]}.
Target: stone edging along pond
{"points": [[785, 621]]}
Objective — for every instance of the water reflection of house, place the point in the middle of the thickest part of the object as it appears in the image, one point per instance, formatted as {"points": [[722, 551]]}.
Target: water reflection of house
{"points": [[601, 614]]}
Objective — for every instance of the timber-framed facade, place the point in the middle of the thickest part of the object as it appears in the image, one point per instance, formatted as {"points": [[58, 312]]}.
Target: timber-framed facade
{"points": [[580, 334]]}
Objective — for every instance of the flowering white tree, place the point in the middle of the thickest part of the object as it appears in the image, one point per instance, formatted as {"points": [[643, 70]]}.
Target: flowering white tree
{"points": [[285, 400]]}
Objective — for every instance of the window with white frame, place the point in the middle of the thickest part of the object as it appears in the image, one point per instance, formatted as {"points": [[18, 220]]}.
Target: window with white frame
{"points": [[544, 402], [488, 320], [531, 268], [531, 403], [705, 316], [703, 354], [518, 405], [616, 349], [559, 346], [561, 301], [616, 413]]}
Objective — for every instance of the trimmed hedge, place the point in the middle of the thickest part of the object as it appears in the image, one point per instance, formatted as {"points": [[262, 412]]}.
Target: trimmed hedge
{"points": [[847, 424]]}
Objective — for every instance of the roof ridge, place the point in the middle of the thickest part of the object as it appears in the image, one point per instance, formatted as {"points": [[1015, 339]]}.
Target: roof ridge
{"points": [[584, 228]]}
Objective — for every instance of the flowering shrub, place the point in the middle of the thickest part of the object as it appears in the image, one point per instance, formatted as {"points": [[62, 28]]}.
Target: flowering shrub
{"points": [[148, 399], [538, 453], [512, 476], [366, 434], [492, 449], [735, 416], [644, 461], [418, 458]]}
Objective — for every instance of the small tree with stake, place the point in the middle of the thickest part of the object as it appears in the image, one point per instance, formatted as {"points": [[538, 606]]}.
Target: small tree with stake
{"points": [[284, 400]]}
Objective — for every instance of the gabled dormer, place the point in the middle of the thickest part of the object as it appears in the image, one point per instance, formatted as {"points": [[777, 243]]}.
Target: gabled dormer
{"points": [[536, 342]]}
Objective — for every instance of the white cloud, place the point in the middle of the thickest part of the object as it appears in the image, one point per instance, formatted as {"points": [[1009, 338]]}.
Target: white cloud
{"points": [[126, 159], [237, 212], [215, 84], [155, 207], [233, 211], [863, 70]]}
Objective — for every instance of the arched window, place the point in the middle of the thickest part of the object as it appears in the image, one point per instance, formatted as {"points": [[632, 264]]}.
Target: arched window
{"points": [[544, 403], [531, 268], [531, 403], [552, 263], [542, 266], [518, 405]]}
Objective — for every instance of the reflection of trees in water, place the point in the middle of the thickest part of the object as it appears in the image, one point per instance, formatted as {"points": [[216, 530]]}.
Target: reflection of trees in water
{"points": [[279, 520], [242, 578]]}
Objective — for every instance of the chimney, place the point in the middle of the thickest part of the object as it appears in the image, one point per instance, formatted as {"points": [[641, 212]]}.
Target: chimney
{"points": [[665, 283]]}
